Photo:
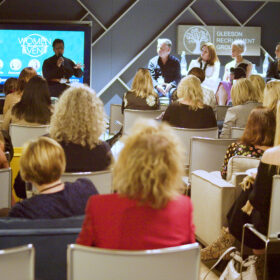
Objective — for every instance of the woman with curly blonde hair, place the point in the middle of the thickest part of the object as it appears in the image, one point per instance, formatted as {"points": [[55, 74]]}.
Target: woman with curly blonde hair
{"points": [[142, 95], [259, 85], [271, 95], [189, 111], [147, 180], [77, 123]]}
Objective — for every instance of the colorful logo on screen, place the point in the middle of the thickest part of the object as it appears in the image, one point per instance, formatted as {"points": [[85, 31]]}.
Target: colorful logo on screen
{"points": [[34, 45]]}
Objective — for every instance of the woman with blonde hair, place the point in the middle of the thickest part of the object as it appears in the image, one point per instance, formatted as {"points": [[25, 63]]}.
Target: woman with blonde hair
{"points": [[271, 95], [244, 99], [142, 95], [259, 85], [210, 64], [147, 180], [189, 111], [77, 123], [11, 99], [42, 164]]}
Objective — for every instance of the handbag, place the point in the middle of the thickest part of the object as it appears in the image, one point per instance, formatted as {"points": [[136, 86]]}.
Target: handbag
{"points": [[231, 273]]}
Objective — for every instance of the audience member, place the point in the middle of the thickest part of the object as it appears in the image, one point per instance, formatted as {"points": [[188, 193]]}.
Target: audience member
{"points": [[34, 108], [258, 136], [189, 111], [259, 85], [147, 210], [244, 99], [271, 95], [77, 124], [42, 163], [273, 71], [10, 86], [142, 95], [210, 64], [11, 99], [238, 47], [3, 160]]}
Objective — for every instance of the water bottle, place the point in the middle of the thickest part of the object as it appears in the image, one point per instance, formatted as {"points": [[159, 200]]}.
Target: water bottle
{"points": [[265, 63], [183, 64]]}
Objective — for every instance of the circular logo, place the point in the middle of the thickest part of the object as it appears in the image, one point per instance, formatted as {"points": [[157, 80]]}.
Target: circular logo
{"points": [[15, 64], [34, 45], [34, 63], [1, 64], [194, 37]]}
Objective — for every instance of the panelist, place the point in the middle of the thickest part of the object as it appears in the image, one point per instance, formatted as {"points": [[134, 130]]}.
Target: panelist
{"points": [[165, 69], [58, 69], [273, 71]]}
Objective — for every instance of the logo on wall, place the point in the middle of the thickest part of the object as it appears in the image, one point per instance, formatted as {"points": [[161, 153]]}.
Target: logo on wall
{"points": [[15, 64], [194, 37], [1, 64], [34, 63], [34, 45]]}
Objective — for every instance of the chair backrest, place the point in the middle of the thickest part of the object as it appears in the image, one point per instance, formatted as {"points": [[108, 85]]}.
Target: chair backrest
{"points": [[237, 132], [5, 187], [185, 135], [101, 179], [116, 117], [221, 111], [130, 116], [22, 133], [274, 217], [176, 263], [207, 153], [17, 263]]}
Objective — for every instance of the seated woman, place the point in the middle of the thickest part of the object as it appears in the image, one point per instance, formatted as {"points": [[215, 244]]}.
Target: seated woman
{"points": [[11, 99], [271, 95], [238, 47], [147, 210], [142, 95], [210, 64], [259, 85], [42, 163], [273, 71], [189, 111], [244, 100], [77, 123], [34, 108], [258, 136]]}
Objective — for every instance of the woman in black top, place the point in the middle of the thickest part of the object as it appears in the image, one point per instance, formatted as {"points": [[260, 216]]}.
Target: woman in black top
{"points": [[189, 111]]}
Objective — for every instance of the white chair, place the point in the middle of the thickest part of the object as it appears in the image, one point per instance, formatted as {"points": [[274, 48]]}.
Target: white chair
{"points": [[237, 132], [176, 263], [130, 116], [5, 187], [212, 197], [22, 133], [17, 263], [185, 135], [273, 233], [116, 118], [101, 179]]}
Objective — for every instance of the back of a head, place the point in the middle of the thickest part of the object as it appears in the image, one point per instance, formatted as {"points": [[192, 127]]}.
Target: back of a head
{"points": [[25, 75], [259, 85], [277, 131], [243, 91], [42, 161], [240, 71], [79, 117], [271, 94], [189, 89], [151, 164], [198, 72], [260, 127], [10, 86]]}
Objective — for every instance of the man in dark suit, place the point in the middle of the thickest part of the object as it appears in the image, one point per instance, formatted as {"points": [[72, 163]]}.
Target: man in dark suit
{"points": [[273, 71]]}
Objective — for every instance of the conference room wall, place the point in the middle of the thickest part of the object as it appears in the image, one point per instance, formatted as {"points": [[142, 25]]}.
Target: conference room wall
{"points": [[134, 30]]}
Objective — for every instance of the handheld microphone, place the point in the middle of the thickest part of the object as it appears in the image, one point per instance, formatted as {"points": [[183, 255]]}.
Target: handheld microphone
{"points": [[60, 55]]}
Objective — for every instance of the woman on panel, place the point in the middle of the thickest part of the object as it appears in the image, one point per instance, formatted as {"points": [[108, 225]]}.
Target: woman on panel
{"points": [[210, 64], [258, 136], [77, 124], [142, 95], [11, 99], [34, 108], [244, 99], [238, 47], [259, 85], [271, 95], [273, 71], [147, 179], [42, 164], [189, 111]]}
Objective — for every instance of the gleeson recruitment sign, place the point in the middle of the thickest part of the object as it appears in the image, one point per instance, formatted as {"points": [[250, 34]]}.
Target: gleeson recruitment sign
{"points": [[191, 37]]}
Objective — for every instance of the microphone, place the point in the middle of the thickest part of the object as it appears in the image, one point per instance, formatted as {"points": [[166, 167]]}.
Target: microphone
{"points": [[60, 55]]}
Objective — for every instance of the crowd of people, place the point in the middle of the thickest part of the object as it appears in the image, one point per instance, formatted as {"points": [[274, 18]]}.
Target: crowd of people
{"points": [[147, 209]]}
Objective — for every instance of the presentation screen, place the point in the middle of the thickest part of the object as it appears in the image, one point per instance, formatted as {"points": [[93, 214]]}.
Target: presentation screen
{"points": [[23, 45]]}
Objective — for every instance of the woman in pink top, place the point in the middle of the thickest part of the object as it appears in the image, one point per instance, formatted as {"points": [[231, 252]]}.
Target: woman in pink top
{"points": [[147, 210]]}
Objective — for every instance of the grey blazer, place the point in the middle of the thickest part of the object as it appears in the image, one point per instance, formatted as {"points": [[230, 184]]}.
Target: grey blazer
{"points": [[237, 116]]}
